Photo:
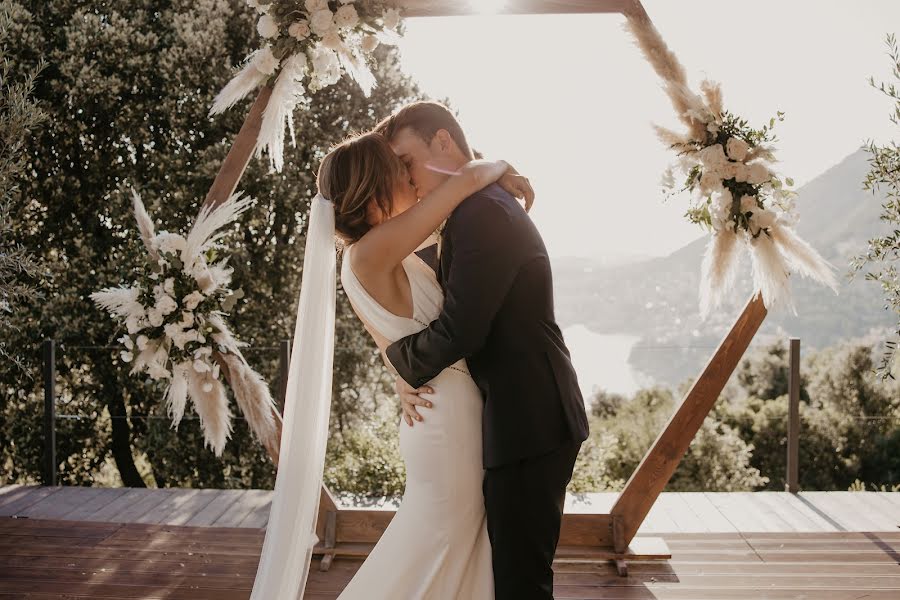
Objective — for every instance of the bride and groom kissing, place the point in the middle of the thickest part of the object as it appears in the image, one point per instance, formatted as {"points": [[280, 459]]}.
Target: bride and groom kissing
{"points": [[494, 418], [450, 277]]}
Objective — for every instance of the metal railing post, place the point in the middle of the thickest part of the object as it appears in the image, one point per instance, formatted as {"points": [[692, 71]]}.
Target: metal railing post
{"points": [[49, 356], [792, 484]]}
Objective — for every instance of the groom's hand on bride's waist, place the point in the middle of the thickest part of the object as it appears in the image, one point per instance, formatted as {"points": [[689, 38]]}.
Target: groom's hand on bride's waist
{"points": [[410, 398]]}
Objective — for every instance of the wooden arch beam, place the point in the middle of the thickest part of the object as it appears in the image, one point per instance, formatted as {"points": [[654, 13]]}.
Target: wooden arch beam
{"points": [[607, 536], [459, 8]]}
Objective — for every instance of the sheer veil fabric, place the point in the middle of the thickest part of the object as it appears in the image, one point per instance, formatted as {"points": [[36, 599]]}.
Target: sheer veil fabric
{"points": [[290, 533]]}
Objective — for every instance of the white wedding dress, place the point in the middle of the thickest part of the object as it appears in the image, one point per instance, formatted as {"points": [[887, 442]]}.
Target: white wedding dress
{"points": [[436, 547]]}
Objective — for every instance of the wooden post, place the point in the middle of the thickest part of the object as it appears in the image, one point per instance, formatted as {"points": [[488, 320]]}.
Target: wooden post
{"points": [[49, 359], [241, 151], [792, 484], [658, 465], [451, 8]]}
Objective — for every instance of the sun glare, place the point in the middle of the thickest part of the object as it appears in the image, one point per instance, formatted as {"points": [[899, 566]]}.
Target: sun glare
{"points": [[487, 7]]}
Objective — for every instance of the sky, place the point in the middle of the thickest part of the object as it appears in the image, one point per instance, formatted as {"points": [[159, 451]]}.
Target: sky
{"points": [[569, 101]]}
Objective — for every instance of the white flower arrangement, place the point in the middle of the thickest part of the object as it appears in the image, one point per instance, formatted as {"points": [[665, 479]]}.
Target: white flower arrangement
{"points": [[735, 193], [174, 316], [308, 45]]}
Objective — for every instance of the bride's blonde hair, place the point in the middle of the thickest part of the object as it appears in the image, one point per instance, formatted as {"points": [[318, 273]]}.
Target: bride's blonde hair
{"points": [[359, 170]]}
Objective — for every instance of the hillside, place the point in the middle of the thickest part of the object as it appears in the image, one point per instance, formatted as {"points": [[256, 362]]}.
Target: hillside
{"points": [[657, 299]]}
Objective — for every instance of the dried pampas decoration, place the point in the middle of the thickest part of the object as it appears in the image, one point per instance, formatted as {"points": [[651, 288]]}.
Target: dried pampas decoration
{"points": [[257, 69], [279, 113], [252, 395], [725, 161], [718, 270], [175, 317]]}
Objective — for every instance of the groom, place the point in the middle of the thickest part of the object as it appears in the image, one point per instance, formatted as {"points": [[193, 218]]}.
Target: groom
{"points": [[497, 314]]}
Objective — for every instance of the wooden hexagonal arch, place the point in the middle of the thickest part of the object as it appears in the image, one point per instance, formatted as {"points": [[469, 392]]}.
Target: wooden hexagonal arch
{"points": [[351, 532]]}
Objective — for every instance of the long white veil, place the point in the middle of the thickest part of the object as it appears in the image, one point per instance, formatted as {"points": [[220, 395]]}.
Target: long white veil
{"points": [[290, 533]]}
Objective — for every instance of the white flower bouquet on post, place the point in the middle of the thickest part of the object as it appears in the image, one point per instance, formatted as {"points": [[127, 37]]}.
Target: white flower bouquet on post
{"points": [[174, 316], [316, 41], [735, 193]]}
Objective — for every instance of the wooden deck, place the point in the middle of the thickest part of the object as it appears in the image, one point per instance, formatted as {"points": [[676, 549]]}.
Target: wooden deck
{"points": [[79, 543], [688, 512]]}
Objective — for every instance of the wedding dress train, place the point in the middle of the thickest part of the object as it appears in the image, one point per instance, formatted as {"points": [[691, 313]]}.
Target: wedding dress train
{"points": [[437, 546]]}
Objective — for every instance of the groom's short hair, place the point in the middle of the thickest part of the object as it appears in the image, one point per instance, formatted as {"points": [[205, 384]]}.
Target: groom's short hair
{"points": [[425, 119]]}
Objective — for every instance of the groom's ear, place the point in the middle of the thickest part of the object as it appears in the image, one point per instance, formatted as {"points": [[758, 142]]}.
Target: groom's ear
{"points": [[444, 140]]}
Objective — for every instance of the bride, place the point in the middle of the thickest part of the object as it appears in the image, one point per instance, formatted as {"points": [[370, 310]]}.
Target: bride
{"points": [[437, 545]]}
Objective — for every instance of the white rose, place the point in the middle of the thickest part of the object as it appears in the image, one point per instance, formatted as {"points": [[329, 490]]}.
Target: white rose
{"points": [[264, 61], [332, 40], [126, 341], [739, 171], [172, 329], [156, 318], [192, 300], [169, 243], [764, 218], [133, 325], [722, 202], [391, 18], [737, 149], [299, 30], [169, 286], [713, 156], [166, 305], [314, 5], [200, 366], [326, 65], [346, 17], [187, 318], [142, 341], [321, 21], [748, 203], [267, 27], [758, 174], [710, 181], [126, 356], [369, 43]]}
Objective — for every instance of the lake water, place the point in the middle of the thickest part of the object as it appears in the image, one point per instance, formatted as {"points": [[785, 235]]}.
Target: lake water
{"points": [[601, 361]]}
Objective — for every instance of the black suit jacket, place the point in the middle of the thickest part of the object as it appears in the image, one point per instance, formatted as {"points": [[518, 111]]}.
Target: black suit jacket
{"points": [[498, 314]]}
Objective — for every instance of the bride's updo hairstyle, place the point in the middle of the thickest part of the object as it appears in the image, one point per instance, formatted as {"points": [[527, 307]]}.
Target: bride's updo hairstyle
{"points": [[358, 171]]}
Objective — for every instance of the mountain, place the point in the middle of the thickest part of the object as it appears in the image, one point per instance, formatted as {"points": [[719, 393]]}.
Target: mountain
{"points": [[657, 299]]}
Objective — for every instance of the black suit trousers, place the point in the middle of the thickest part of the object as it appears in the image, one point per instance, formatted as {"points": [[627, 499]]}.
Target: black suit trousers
{"points": [[524, 502]]}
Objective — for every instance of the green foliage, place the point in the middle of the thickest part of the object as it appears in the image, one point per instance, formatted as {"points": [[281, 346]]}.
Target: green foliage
{"points": [[365, 460], [126, 90], [20, 117], [848, 417], [718, 459], [849, 428], [884, 250]]}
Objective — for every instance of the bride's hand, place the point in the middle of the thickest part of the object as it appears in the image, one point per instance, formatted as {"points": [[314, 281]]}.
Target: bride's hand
{"points": [[485, 172], [518, 186]]}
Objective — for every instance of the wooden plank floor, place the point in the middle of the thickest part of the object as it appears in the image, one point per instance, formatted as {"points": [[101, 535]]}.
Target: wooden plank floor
{"points": [[674, 512], [58, 559]]}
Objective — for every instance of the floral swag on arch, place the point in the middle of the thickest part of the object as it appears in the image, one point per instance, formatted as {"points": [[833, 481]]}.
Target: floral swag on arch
{"points": [[175, 314]]}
